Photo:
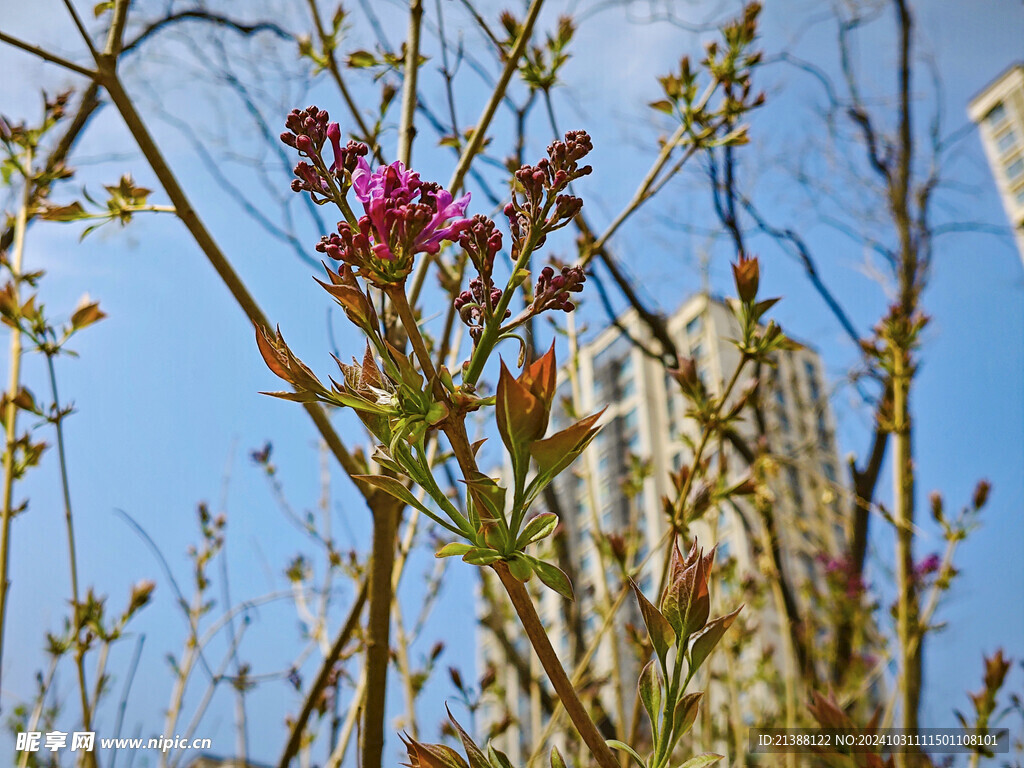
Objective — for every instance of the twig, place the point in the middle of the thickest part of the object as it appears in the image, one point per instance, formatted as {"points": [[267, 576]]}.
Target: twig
{"points": [[332, 67], [122, 705], [313, 695], [11, 414], [406, 125], [81, 28], [47, 56], [58, 423], [209, 246], [476, 139]]}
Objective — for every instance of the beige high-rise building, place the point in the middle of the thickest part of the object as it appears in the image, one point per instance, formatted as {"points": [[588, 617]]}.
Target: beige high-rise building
{"points": [[999, 112], [646, 421]]}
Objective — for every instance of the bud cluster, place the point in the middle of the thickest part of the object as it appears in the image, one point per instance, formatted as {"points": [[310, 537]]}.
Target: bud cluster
{"points": [[478, 303], [308, 131], [552, 290], [481, 241], [542, 208]]}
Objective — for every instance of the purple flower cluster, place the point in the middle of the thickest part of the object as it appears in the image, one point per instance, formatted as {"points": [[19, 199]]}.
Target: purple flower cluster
{"points": [[394, 198], [928, 566], [403, 216], [840, 572], [481, 241]]}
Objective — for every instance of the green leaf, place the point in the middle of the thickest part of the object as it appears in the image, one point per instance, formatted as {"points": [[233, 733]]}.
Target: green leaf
{"points": [[361, 59], [520, 417], [520, 568], [481, 556], [615, 744], [477, 759], [434, 756], [706, 641], [86, 314], [393, 487], [71, 212], [454, 549], [553, 577], [497, 758], [537, 528], [555, 453], [649, 687], [663, 105], [687, 601], [556, 758], [661, 632], [700, 761], [487, 495], [295, 397], [685, 713]]}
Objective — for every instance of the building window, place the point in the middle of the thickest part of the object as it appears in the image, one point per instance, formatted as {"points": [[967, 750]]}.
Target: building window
{"points": [[642, 550], [724, 551], [830, 472], [696, 350], [585, 561], [629, 421], [1020, 196], [1015, 169], [794, 486], [780, 407], [1006, 142], [784, 424], [996, 115], [822, 429], [812, 381], [694, 327]]}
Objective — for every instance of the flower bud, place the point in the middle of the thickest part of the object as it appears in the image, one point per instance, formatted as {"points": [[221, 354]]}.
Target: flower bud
{"points": [[746, 274]]}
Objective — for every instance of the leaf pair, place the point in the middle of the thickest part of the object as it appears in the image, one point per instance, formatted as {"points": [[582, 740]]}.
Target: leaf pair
{"points": [[440, 756], [520, 565], [523, 407]]}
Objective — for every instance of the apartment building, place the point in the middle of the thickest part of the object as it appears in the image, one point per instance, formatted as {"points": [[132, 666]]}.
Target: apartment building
{"points": [[646, 423], [999, 113]]}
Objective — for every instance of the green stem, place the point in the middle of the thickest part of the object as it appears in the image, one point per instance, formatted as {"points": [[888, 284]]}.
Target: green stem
{"points": [[527, 613], [58, 423], [903, 487], [493, 328], [11, 410], [386, 514], [406, 125]]}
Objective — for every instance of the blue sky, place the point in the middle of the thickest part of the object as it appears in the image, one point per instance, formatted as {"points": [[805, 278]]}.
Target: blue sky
{"points": [[167, 388]]}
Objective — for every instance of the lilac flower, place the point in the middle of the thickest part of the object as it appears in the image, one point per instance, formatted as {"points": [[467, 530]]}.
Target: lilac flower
{"points": [[393, 195], [927, 566], [403, 216]]}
